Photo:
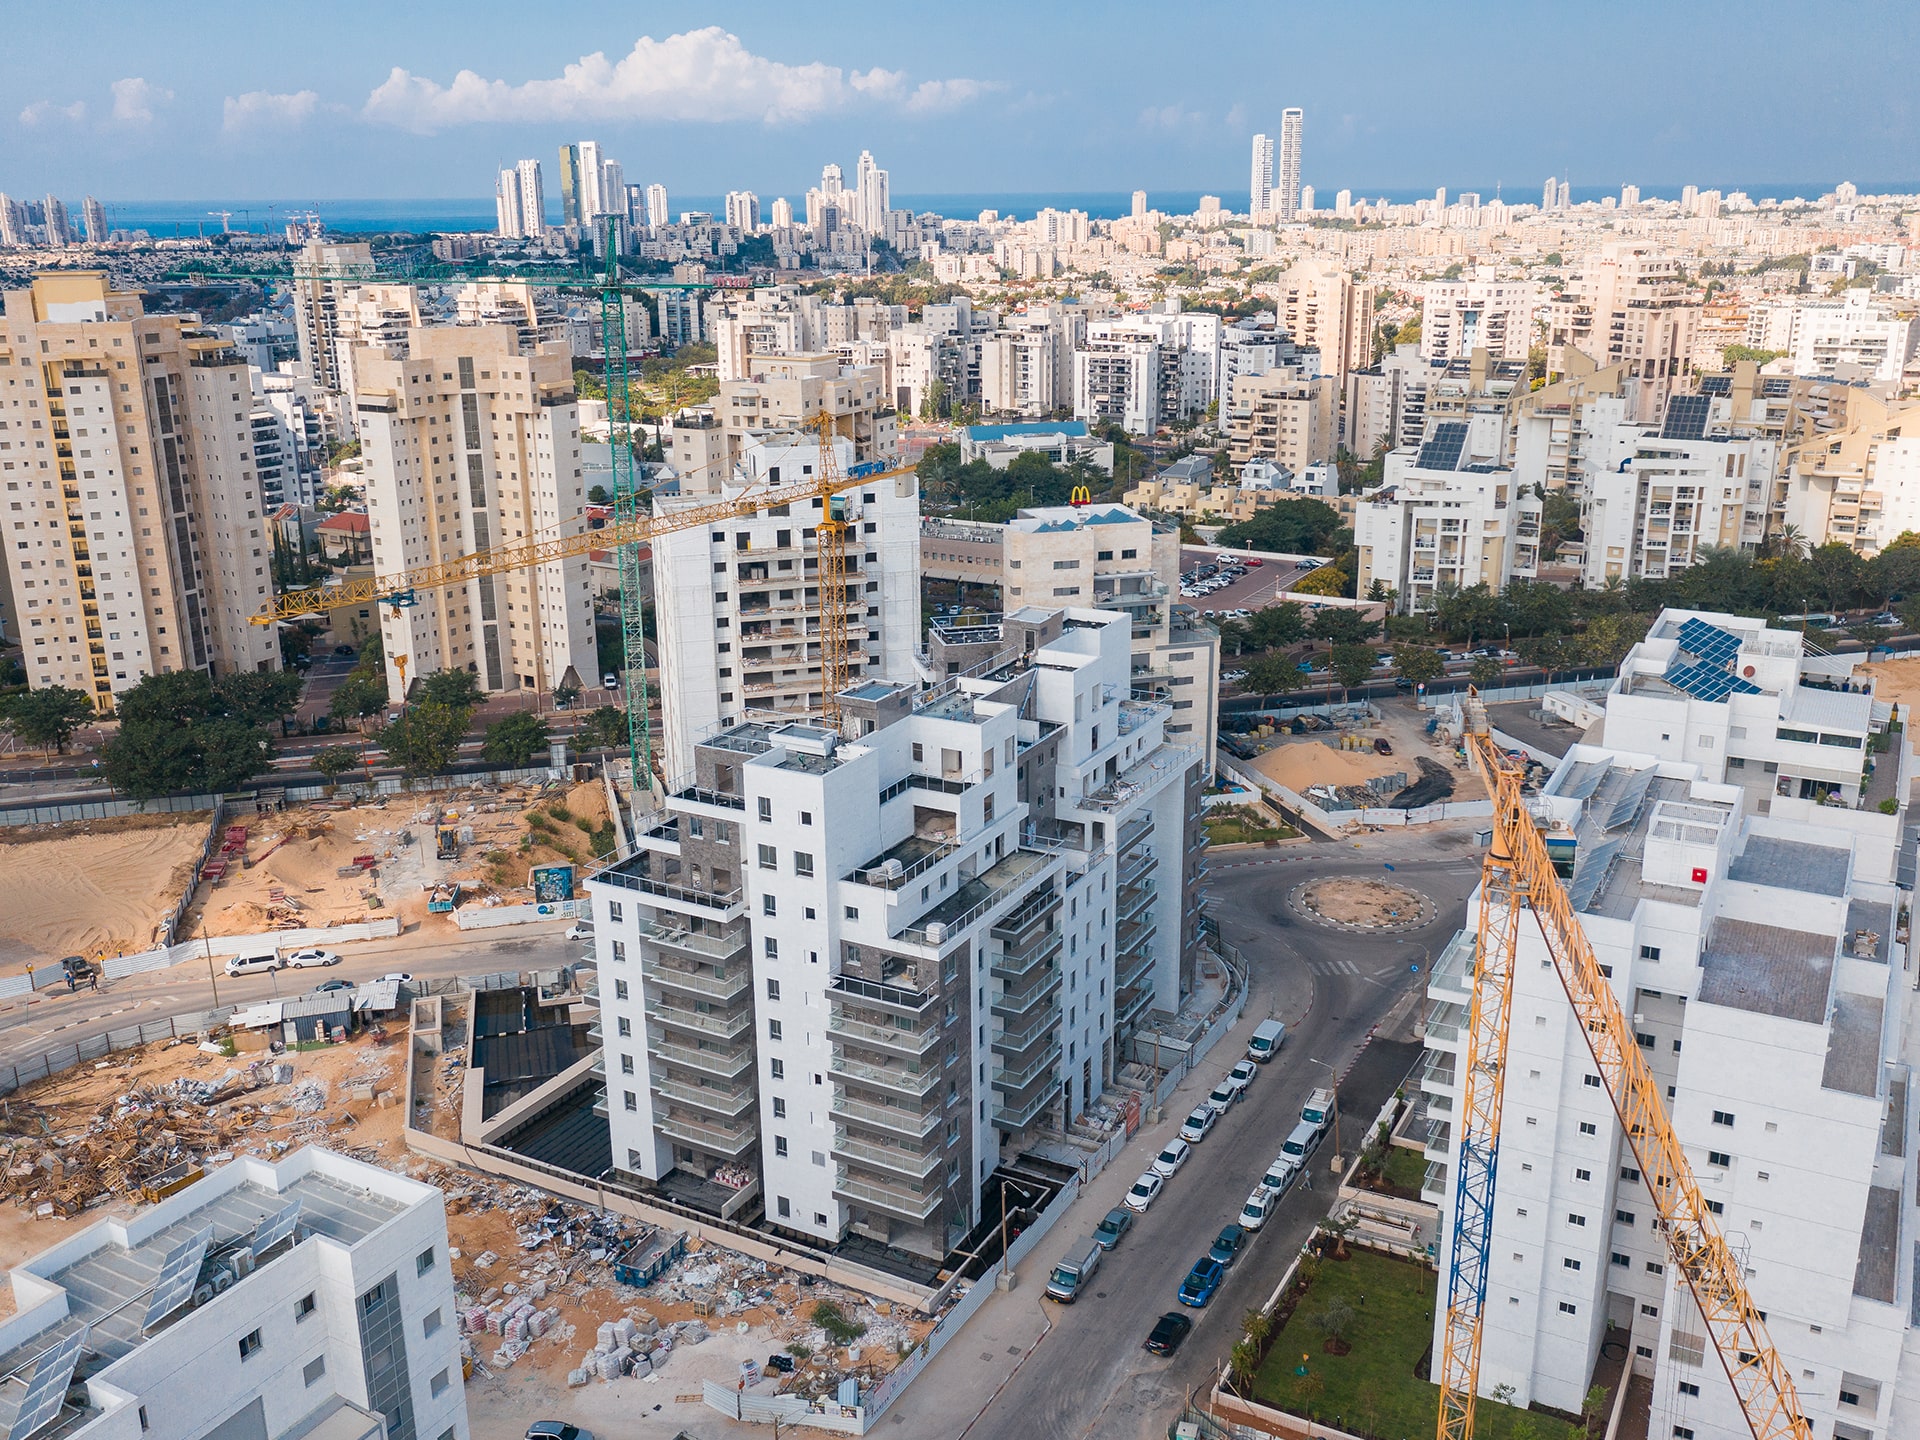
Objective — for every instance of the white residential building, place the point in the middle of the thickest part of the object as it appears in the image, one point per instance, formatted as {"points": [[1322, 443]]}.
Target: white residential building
{"points": [[533, 199], [1248, 348], [137, 539], [1629, 301], [455, 466], [309, 1296], [1283, 416], [739, 603], [743, 211], [1860, 485], [1387, 403], [846, 967], [1143, 371], [1260, 195], [1852, 334], [1752, 934], [657, 212], [1458, 317], [1654, 497], [1447, 515], [1287, 200], [506, 205]]}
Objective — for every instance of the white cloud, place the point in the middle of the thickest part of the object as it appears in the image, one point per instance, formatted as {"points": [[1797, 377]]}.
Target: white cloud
{"points": [[41, 111], [700, 75], [134, 99], [1174, 117], [260, 109]]}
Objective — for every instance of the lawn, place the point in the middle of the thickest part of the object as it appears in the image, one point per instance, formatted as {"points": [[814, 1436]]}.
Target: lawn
{"points": [[1406, 1168], [1373, 1389], [1244, 825]]}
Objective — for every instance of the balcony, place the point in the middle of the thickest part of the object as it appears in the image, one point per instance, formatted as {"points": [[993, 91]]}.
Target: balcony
{"points": [[632, 874], [978, 896], [918, 1165], [1021, 1035], [1131, 936], [1444, 1021], [1018, 924], [897, 1119], [1023, 960], [732, 1141], [895, 999], [896, 1039], [719, 1024], [729, 1102], [1130, 1004], [900, 1079], [697, 797], [1132, 968], [1131, 901], [1008, 1078], [1148, 775], [1438, 1073], [710, 944], [1135, 867], [728, 1064], [723, 987], [903, 1200], [893, 867], [1433, 1185], [1017, 1114]]}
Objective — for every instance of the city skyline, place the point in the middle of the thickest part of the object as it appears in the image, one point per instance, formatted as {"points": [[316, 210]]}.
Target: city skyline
{"points": [[757, 100]]}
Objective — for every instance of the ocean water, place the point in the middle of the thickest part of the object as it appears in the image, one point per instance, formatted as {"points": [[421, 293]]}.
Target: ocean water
{"points": [[359, 217]]}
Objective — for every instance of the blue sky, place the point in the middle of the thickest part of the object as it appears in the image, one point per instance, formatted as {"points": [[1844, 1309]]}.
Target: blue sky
{"points": [[347, 99]]}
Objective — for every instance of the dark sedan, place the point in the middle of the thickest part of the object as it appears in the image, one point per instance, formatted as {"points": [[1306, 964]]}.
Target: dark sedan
{"points": [[1168, 1331]]}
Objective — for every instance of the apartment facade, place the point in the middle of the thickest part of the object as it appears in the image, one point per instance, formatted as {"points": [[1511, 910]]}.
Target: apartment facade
{"points": [[312, 1294], [739, 601], [1858, 486], [1458, 317], [784, 393], [1324, 308], [1448, 514], [469, 445], [138, 533], [321, 276], [844, 967], [1282, 416], [1105, 557], [1751, 936], [1628, 303]]}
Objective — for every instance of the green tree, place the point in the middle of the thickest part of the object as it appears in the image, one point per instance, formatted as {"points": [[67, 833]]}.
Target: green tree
{"points": [[513, 743], [1838, 571], [598, 496], [1278, 625], [261, 697], [425, 740], [1272, 675], [455, 689], [1731, 355], [45, 719], [605, 729], [1593, 1407], [1291, 527], [1343, 627], [336, 760], [362, 693], [1486, 673], [1417, 663], [1871, 636], [1351, 664], [177, 732]]}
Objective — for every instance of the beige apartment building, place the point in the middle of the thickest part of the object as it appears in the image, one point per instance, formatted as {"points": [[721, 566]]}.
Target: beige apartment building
{"points": [[1629, 303], [470, 445], [1859, 486], [1284, 417], [1105, 557], [136, 540], [784, 393], [1322, 307]]}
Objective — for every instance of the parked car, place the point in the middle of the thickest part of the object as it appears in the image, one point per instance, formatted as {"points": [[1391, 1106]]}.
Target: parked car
{"points": [[1199, 1123], [1400, 682], [332, 985], [580, 930], [399, 977], [1202, 1282], [301, 959], [1887, 617], [1167, 1333], [1226, 1245], [1242, 1074], [610, 681], [258, 964], [1260, 1204], [1168, 1162], [346, 650], [1280, 1175], [1382, 746], [1113, 1229], [1144, 1192], [556, 1430], [1222, 1097], [1255, 561]]}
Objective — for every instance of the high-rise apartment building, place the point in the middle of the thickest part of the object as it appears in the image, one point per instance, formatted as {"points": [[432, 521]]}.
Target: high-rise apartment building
{"points": [[533, 199], [1288, 199], [1284, 416], [1628, 302], [738, 602], [93, 219], [506, 205], [849, 967], [583, 186], [743, 210], [137, 535], [323, 273], [873, 196], [1550, 193], [1139, 210], [782, 216], [1324, 308], [59, 228], [289, 440], [469, 444], [1458, 317], [657, 213], [1742, 892], [13, 221], [1260, 194], [1857, 485]]}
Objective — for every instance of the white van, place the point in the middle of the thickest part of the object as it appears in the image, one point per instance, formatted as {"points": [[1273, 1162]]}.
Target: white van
{"points": [[1302, 1142], [1281, 1175], [1070, 1276], [1260, 1204], [1265, 1042], [257, 964]]}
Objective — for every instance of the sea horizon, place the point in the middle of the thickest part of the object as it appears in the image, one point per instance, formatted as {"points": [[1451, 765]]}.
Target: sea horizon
{"points": [[430, 215]]}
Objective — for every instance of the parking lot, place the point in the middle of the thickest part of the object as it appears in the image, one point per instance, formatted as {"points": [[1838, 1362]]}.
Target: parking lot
{"points": [[1256, 588]]}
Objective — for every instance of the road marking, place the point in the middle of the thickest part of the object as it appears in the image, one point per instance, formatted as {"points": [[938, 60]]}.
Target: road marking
{"points": [[1333, 967]]}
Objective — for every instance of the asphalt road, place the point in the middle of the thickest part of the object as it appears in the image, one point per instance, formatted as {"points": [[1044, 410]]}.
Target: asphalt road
{"points": [[1089, 1376], [53, 1017]]}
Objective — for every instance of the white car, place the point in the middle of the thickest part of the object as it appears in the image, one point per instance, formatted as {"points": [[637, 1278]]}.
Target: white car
{"points": [[1221, 1099], [1280, 1175], [1260, 1204], [1242, 1074], [1145, 1190], [399, 977], [301, 959], [1169, 1161], [1198, 1124], [580, 930]]}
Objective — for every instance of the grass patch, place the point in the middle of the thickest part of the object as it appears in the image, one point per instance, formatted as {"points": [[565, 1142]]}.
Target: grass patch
{"points": [[1405, 1168], [1373, 1389], [1244, 825]]}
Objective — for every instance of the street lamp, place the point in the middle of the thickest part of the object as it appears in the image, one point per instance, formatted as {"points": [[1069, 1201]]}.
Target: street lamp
{"points": [[1335, 1091]]}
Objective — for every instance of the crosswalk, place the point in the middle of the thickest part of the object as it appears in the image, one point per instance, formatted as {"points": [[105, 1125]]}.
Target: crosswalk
{"points": [[1333, 967]]}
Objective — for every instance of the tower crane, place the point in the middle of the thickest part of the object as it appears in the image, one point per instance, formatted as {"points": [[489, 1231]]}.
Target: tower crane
{"points": [[1517, 876]]}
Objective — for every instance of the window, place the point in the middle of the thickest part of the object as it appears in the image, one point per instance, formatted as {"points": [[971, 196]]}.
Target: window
{"points": [[768, 905], [632, 1101], [806, 817], [1570, 1264], [1714, 1207], [1849, 1397], [853, 912], [619, 989], [1723, 1117], [249, 1344], [1687, 1387], [1583, 1174], [431, 1325], [769, 858], [1646, 1040], [373, 1299], [313, 1369], [626, 1064], [1623, 1217], [1592, 1082], [624, 1025], [771, 946], [777, 1069], [143, 1417], [1652, 1312], [802, 864], [614, 912], [1573, 1219], [1623, 1261], [766, 808], [1682, 1432], [1566, 1309], [1654, 1267], [423, 1262], [1720, 1158], [779, 1108], [440, 1383], [1587, 1127], [785, 1207], [1649, 952], [780, 1145], [303, 1307], [774, 1031], [773, 989]]}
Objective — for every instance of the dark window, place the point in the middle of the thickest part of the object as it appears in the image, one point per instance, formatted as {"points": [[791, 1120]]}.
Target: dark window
{"points": [[249, 1343]]}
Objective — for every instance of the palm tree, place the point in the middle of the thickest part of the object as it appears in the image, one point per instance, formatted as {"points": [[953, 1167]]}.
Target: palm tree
{"points": [[1789, 542]]}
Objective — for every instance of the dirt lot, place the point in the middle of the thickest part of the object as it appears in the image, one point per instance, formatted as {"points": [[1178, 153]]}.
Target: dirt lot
{"points": [[1352, 900], [1309, 760], [94, 888], [1897, 682]]}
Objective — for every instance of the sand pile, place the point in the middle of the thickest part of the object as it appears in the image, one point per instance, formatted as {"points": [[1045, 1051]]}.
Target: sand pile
{"points": [[95, 889], [1313, 762]]}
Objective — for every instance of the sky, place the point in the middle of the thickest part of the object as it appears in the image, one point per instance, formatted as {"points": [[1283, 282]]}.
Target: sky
{"points": [[345, 99]]}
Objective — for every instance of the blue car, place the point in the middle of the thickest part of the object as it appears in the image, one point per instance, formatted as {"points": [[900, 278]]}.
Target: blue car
{"points": [[1197, 1289]]}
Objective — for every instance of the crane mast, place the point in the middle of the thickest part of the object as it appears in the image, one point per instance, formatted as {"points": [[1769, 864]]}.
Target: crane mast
{"points": [[1518, 875]]}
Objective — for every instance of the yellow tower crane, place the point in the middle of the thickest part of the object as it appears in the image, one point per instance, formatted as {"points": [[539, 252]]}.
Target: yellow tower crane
{"points": [[1518, 876]]}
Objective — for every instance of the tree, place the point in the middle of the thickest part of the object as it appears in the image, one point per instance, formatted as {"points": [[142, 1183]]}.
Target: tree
{"points": [[1290, 527], [1343, 627], [605, 729], [1258, 1325], [336, 760], [513, 743], [1593, 1405], [1351, 664], [1336, 1320], [362, 693], [1327, 580], [212, 755], [455, 689], [261, 697], [1838, 571], [1731, 355], [1549, 652], [1871, 636], [1417, 663], [598, 496], [1272, 675], [45, 719], [1278, 625], [1242, 1362], [1485, 673], [425, 740]]}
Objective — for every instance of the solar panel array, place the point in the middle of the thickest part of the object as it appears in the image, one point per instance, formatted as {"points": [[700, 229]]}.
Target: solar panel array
{"points": [[272, 1232], [1709, 682], [1587, 781], [1687, 417], [1716, 385], [47, 1392], [1443, 448], [1591, 871], [1632, 797], [179, 1272], [1709, 642], [1776, 387]]}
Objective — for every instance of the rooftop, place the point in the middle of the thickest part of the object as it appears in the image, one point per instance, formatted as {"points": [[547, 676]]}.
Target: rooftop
{"points": [[1073, 429], [1792, 865], [1767, 970], [1876, 1274], [1853, 1045]]}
